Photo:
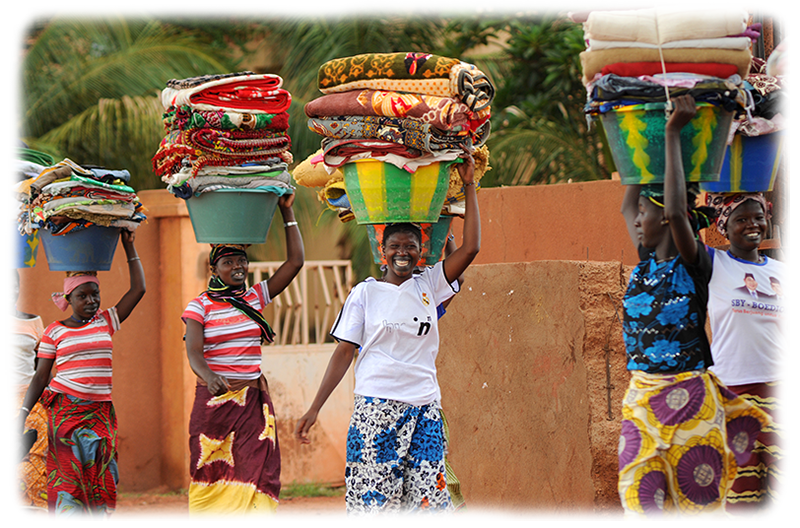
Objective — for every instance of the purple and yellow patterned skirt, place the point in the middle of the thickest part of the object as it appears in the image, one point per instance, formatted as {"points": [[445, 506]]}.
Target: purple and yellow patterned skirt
{"points": [[683, 437]]}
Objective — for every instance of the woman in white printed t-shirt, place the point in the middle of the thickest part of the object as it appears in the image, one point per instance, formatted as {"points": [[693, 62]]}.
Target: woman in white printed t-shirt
{"points": [[395, 444], [745, 309]]}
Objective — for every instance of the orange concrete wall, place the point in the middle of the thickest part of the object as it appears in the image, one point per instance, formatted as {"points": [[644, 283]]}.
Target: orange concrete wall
{"points": [[565, 221]]}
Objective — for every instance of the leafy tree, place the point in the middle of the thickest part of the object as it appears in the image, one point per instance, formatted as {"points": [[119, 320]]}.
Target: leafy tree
{"points": [[540, 134], [91, 88]]}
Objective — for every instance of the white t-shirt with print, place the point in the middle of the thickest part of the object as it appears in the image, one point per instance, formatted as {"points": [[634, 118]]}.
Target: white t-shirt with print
{"points": [[398, 332], [746, 340]]}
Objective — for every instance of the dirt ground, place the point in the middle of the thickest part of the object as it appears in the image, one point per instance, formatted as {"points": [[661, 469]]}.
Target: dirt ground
{"points": [[178, 503]]}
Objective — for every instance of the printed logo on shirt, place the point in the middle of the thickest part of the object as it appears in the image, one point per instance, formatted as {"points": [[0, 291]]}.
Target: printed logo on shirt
{"points": [[425, 299], [424, 326], [757, 301]]}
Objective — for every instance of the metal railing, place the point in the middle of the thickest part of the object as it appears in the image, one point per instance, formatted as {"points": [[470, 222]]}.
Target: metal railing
{"points": [[303, 313]]}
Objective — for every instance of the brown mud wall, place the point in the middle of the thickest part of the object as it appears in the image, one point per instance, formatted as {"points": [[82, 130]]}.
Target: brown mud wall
{"points": [[532, 371]]}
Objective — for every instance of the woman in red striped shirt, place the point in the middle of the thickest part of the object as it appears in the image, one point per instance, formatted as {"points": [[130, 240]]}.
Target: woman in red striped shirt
{"points": [[235, 460], [82, 459]]}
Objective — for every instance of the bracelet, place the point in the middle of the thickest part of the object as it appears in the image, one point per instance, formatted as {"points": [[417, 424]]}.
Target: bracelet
{"points": [[451, 236], [289, 224], [26, 409], [468, 184], [133, 258]]}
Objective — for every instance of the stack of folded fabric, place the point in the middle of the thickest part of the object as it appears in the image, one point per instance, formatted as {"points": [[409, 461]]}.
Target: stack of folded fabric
{"points": [[714, 42], [225, 131], [66, 198], [21, 164], [407, 110]]}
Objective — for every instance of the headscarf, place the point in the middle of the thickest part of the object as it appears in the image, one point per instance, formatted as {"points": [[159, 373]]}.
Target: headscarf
{"points": [[71, 281], [726, 203], [699, 217], [234, 295]]}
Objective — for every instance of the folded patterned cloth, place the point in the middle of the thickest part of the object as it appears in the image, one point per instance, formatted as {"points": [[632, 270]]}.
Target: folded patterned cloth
{"points": [[618, 90], [421, 73], [444, 113], [192, 82], [60, 171], [200, 147], [665, 24], [337, 152], [249, 169], [248, 93], [406, 131], [184, 117], [733, 43], [593, 62], [28, 169]]}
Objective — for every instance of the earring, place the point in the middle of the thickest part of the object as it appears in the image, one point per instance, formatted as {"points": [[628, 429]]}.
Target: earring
{"points": [[664, 222]]}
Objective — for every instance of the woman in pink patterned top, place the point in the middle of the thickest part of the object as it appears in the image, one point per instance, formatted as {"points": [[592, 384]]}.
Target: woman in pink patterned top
{"points": [[82, 426]]}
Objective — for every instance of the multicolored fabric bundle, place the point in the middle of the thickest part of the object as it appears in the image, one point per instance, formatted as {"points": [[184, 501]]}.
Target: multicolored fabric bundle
{"points": [[407, 110], [637, 61], [66, 197], [231, 125]]}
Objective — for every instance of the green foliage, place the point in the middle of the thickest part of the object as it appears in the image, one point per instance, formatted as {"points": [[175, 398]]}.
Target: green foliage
{"points": [[92, 88], [539, 130]]}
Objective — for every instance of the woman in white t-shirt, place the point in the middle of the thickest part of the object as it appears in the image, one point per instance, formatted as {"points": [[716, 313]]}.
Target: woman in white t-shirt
{"points": [[745, 309], [395, 444]]}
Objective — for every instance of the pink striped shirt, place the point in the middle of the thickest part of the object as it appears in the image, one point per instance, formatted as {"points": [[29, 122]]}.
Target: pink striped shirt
{"points": [[82, 356], [231, 340]]}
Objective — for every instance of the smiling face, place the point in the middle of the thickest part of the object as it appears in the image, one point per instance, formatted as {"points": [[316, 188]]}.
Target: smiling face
{"points": [[12, 293], [649, 223], [402, 251], [85, 300], [750, 282], [231, 269], [747, 226]]}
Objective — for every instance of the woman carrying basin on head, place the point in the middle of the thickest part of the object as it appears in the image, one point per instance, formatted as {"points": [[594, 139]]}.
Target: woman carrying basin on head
{"points": [[82, 473], [683, 432], [395, 443], [233, 443]]}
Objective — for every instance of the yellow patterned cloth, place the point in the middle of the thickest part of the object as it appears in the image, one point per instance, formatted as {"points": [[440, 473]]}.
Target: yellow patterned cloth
{"points": [[33, 468], [421, 73], [682, 438]]}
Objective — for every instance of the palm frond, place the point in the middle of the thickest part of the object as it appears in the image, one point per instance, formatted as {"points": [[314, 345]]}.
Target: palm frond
{"points": [[73, 63], [115, 133]]}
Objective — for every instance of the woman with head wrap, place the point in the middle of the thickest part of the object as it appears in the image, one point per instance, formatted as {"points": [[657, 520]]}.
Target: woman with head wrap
{"points": [[396, 442], [233, 444], [82, 472], [682, 431], [27, 331], [745, 309]]}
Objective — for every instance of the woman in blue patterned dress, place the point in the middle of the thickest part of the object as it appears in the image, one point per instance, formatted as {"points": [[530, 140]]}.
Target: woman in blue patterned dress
{"points": [[683, 431]]}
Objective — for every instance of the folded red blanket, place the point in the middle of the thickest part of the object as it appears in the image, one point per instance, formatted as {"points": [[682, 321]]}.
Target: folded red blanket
{"points": [[260, 93]]}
